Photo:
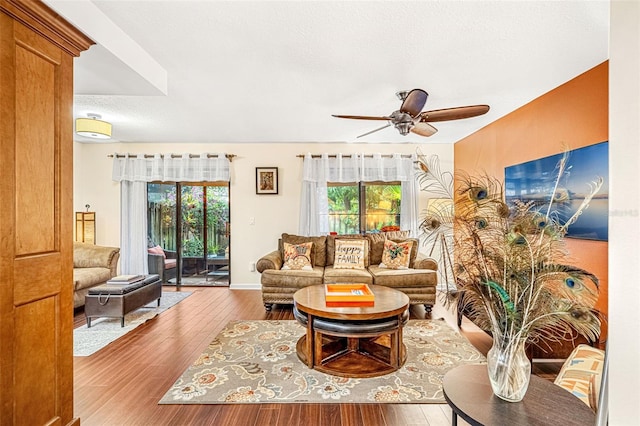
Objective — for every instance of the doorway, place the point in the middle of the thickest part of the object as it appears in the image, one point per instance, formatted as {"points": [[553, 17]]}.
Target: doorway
{"points": [[191, 222]]}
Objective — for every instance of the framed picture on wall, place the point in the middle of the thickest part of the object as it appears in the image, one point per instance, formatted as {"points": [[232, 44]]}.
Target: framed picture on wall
{"points": [[535, 181], [266, 180]]}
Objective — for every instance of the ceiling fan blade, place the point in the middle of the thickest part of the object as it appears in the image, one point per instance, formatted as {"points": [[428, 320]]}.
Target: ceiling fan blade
{"points": [[454, 113], [423, 129], [414, 102], [373, 131], [361, 117]]}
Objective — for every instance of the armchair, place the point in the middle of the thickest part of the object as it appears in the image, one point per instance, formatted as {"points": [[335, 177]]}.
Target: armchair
{"points": [[162, 262]]}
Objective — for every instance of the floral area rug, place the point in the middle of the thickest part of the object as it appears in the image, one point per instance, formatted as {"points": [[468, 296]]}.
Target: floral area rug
{"points": [[256, 362], [103, 331]]}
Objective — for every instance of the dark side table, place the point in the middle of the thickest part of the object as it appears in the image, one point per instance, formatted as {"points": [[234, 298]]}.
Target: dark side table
{"points": [[469, 394]]}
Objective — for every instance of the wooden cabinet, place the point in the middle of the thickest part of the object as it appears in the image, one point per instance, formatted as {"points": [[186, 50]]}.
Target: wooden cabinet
{"points": [[36, 187]]}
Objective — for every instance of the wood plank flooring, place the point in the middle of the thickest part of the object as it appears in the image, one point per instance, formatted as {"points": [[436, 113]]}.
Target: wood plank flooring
{"points": [[122, 383]]}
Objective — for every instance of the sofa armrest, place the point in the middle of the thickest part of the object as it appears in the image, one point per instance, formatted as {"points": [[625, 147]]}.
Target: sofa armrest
{"points": [[87, 255], [156, 264], [113, 264], [272, 260], [423, 262]]}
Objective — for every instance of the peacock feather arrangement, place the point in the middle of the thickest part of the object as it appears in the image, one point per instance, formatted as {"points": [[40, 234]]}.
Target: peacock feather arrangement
{"points": [[510, 265]]}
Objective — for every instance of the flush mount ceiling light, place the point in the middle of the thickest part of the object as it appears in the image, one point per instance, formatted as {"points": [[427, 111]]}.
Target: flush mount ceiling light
{"points": [[93, 127]]}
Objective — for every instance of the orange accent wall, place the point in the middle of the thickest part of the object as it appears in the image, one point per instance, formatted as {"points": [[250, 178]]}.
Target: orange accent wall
{"points": [[571, 116]]}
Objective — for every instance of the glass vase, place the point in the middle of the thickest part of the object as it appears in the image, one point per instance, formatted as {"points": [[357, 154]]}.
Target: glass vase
{"points": [[509, 368]]}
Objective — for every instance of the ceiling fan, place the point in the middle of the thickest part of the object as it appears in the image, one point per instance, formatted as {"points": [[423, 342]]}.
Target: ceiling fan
{"points": [[411, 118]]}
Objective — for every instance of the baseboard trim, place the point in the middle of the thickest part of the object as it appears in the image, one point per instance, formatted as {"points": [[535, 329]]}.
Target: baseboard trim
{"points": [[245, 286]]}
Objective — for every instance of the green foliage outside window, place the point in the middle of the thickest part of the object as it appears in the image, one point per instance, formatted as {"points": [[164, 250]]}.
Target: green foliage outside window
{"points": [[162, 213], [382, 207]]}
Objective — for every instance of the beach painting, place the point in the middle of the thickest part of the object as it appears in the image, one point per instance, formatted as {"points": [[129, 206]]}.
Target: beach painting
{"points": [[534, 181]]}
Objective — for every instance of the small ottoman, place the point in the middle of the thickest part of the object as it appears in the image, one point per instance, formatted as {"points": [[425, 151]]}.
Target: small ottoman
{"points": [[117, 300]]}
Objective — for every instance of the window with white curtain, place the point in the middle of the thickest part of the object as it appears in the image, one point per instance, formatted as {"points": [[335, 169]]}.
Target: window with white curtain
{"points": [[326, 176], [363, 207], [133, 172]]}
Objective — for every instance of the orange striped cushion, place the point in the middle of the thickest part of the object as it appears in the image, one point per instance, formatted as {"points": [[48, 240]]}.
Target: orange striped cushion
{"points": [[583, 363]]}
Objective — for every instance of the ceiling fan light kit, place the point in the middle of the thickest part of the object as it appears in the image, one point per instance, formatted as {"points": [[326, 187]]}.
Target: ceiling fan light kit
{"points": [[411, 118], [93, 127]]}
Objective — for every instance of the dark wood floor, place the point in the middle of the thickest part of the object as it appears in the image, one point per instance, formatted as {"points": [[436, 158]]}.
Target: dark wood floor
{"points": [[122, 383]]}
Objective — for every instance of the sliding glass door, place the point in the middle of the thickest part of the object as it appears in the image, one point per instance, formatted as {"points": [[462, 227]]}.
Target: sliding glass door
{"points": [[192, 220]]}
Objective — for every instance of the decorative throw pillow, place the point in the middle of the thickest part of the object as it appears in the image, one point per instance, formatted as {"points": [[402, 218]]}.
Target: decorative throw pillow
{"points": [[331, 247], [349, 254], [376, 242], [318, 252], [297, 256], [156, 250], [396, 255]]}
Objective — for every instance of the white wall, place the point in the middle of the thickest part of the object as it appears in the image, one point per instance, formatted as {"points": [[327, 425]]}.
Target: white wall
{"points": [[274, 214], [624, 216]]}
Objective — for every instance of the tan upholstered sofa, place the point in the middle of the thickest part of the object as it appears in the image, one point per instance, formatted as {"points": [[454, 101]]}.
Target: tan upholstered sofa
{"points": [[92, 265], [278, 285]]}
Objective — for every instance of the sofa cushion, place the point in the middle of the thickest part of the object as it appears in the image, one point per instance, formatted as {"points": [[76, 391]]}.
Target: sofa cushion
{"points": [[331, 247], [318, 257], [376, 243], [403, 278], [350, 254], [396, 255], [334, 275], [581, 373], [292, 278], [297, 256], [89, 277], [170, 263]]}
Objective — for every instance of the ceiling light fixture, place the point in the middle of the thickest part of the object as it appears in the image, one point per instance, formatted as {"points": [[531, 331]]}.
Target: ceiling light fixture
{"points": [[93, 127]]}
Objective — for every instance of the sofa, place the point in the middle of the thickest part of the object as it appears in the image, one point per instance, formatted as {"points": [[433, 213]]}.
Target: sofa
{"points": [[417, 280], [162, 262], [92, 265]]}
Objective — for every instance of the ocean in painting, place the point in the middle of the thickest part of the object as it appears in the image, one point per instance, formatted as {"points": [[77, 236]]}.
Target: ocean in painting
{"points": [[535, 181]]}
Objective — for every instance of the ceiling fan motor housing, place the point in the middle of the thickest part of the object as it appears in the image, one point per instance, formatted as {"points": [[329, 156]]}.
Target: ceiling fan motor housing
{"points": [[402, 121]]}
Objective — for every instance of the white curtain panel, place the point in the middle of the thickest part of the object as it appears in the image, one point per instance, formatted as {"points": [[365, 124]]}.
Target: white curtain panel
{"points": [[133, 173], [133, 228], [317, 172]]}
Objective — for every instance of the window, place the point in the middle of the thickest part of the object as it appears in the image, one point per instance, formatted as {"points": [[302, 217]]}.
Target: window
{"points": [[365, 207]]}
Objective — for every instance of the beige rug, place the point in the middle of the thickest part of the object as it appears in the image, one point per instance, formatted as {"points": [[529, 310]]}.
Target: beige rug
{"points": [[103, 331], [256, 362]]}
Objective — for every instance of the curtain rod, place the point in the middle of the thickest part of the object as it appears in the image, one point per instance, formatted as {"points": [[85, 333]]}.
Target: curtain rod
{"points": [[229, 156], [350, 155]]}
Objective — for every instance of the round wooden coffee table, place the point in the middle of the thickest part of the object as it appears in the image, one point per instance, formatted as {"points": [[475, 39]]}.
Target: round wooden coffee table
{"points": [[351, 341]]}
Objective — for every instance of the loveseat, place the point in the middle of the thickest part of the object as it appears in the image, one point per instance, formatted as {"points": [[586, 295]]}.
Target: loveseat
{"points": [[92, 265], [417, 280]]}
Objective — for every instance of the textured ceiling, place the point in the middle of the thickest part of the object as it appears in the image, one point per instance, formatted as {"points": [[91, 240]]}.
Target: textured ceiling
{"points": [[266, 71]]}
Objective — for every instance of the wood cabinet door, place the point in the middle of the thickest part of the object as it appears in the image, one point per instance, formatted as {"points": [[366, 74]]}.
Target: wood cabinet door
{"points": [[36, 190]]}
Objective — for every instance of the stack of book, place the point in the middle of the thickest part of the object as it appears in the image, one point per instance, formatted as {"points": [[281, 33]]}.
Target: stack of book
{"points": [[126, 279]]}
